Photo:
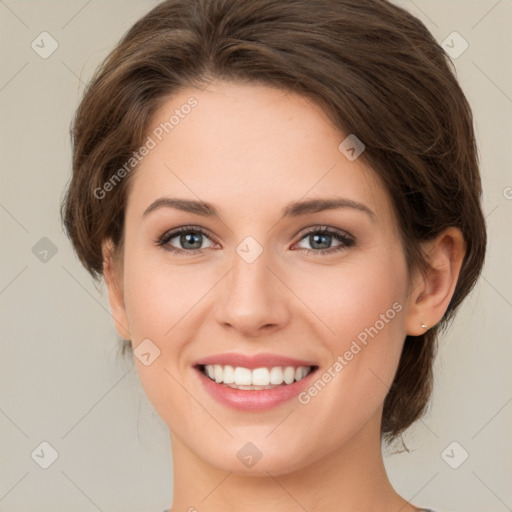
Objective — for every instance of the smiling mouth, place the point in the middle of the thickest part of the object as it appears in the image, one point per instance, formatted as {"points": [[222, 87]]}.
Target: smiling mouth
{"points": [[238, 377]]}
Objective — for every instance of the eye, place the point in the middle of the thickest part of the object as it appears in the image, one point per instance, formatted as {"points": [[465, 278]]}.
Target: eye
{"points": [[189, 237], [321, 238]]}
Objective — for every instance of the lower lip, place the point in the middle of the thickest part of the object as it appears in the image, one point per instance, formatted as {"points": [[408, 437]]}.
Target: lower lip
{"points": [[255, 399]]}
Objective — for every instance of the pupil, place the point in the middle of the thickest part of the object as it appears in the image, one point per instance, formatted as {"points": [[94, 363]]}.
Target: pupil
{"points": [[316, 237], [189, 238]]}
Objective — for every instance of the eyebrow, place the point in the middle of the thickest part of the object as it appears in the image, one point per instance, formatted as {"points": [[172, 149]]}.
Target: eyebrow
{"points": [[293, 209]]}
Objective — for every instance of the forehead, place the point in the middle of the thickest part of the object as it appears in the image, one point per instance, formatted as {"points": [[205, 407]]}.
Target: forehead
{"points": [[248, 146]]}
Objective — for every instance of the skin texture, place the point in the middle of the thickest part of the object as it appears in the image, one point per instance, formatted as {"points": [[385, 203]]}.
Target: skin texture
{"points": [[250, 150]]}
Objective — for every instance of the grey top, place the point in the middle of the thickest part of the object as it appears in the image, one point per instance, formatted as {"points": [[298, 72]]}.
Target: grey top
{"points": [[424, 510]]}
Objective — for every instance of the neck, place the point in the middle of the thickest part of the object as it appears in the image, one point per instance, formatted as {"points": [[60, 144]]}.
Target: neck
{"points": [[352, 477]]}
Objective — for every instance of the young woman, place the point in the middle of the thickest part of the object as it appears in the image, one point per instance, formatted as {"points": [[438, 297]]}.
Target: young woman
{"points": [[284, 201]]}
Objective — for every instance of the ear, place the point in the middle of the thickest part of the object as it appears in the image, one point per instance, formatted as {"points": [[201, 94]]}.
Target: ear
{"points": [[431, 294], [113, 282]]}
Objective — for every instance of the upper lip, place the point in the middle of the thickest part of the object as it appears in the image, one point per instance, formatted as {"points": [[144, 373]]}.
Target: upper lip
{"points": [[252, 361]]}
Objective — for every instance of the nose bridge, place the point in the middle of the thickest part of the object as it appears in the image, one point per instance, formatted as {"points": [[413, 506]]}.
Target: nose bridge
{"points": [[253, 300]]}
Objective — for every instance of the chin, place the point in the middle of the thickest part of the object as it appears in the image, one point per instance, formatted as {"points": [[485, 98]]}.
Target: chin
{"points": [[248, 460]]}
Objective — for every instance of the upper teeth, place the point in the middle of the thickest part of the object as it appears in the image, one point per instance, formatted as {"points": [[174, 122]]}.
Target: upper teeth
{"points": [[258, 377]]}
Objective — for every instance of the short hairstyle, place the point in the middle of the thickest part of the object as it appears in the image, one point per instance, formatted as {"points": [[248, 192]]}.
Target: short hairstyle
{"points": [[376, 71]]}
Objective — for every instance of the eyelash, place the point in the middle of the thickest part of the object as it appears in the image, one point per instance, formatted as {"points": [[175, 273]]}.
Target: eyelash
{"points": [[346, 242]]}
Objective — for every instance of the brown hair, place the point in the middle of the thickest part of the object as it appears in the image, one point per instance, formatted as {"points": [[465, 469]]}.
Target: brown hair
{"points": [[374, 68]]}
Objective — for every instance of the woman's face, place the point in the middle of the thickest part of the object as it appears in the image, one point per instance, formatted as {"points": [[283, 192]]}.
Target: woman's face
{"points": [[252, 280]]}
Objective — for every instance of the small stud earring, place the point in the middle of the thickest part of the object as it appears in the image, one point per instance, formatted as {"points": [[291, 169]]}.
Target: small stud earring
{"points": [[423, 326]]}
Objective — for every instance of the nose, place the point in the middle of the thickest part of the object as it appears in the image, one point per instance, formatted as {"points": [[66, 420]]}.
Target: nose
{"points": [[253, 300]]}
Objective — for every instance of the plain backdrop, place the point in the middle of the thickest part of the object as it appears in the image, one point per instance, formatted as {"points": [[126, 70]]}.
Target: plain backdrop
{"points": [[62, 382]]}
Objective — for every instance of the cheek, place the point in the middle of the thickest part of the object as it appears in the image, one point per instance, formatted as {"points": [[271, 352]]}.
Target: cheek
{"points": [[158, 296], [160, 304], [362, 304], [352, 387], [350, 298]]}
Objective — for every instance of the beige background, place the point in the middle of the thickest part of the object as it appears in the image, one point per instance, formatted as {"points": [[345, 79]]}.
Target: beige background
{"points": [[61, 381]]}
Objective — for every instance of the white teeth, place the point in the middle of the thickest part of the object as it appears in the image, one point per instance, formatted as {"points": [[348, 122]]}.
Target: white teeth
{"points": [[259, 377], [217, 369], [243, 376], [228, 376], [276, 375], [289, 374]]}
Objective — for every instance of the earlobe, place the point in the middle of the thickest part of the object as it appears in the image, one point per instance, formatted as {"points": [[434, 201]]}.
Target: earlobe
{"points": [[433, 292], [113, 282]]}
